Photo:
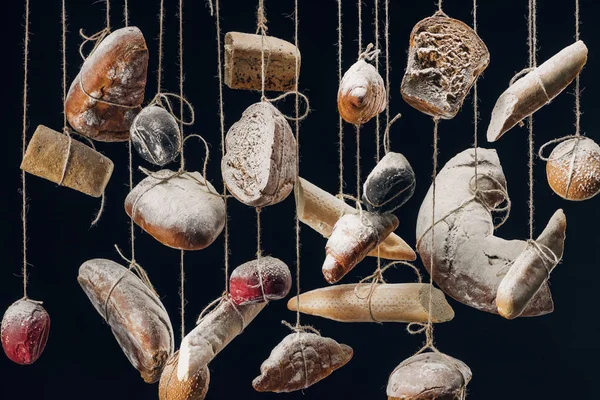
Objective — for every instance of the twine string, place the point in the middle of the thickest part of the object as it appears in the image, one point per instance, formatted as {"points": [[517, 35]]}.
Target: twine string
{"points": [[340, 120], [532, 39], [297, 126], [24, 202], [377, 120], [182, 122], [577, 78], [475, 106], [386, 134]]}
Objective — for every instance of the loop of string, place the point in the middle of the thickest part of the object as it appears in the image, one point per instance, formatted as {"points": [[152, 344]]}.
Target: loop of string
{"points": [[212, 306], [340, 120], [386, 134], [24, 205], [301, 328], [572, 153], [544, 253], [371, 53], [167, 105], [297, 116], [95, 38]]}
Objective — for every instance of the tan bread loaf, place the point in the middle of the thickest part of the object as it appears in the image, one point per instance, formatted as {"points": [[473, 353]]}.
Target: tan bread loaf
{"points": [[429, 376], [299, 361], [259, 167], [536, 89], [86, 170], [469, 262], [445, 58], [171, 388], [106, 95], [573, 169], [361, 94], [390, 302], [243, 62], [134, 312], [353, 237], [184, 212], [320, 210]]}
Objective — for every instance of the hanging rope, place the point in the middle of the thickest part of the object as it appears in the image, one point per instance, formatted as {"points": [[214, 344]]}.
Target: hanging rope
{"points": [[340, 121], [429, 329], [182, 166], [377, 123], [532, 24], [386, 139], [161, 17], [475, 105], [261, 26], [357, 127], [297, 71], [440, 6], [126, 12], [577, 88], [24, 146]]}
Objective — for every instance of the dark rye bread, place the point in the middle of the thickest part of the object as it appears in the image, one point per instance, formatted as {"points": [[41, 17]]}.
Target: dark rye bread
{"points": [[390, 184], [445, 58]]}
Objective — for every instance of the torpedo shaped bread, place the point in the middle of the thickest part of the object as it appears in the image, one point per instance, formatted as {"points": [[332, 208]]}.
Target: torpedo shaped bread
{"points": [[106, 95], [171, 388], [180, 210], [445, 58], [469, 261], [390, 184], [66, 161], [536, 89], [134, 312], [155, 135], [389, 302], [321, 210], [299, 361], [361, 94], [244, 55], [260, 163], [429, 376]]}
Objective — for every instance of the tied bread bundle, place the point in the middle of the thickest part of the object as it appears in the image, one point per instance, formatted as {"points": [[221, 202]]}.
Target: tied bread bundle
{"points": [[383, 302], [259, 167], [536, 89], [180, 210], [469, 261], [171, 388], [24, 331], [244, 57], [67, 162], [429, 376], [261, 280], [134, 312], [321, 210], [106, 95], [445, 58], [299, 361]]}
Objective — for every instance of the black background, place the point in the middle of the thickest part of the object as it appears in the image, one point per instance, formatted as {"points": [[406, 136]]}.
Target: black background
{"points": [[550, 357]]}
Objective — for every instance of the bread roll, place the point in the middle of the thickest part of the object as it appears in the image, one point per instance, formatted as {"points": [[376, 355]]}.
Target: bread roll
{"points": [[155, 135], [361, 94], [24, 331]]}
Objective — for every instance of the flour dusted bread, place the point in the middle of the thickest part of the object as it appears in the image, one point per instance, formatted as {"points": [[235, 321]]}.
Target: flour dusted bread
{"points": [[244, 58], [259, 167], [536, 89], [389, 302], [171, 388], [352, 238], [48, 152], [260, 280], [445, 58], [429, 376], [299, 361], [24, 331], [134, 312], [390, 184], [469, 261], [573, 169], [361, 94], [321, 210], [183, 211], [105, 96], [155, 135], [212, 334]]}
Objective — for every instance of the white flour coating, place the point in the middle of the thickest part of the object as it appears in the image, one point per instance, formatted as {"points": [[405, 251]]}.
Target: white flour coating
{"points": [[581, 174], [184, 206], [136, 315], [429, 376], [267, 270], [212, 334], [259, 167], [24, 313], [321, 210], [469, 261], [399, 302], [300, 360], [361, 94]]}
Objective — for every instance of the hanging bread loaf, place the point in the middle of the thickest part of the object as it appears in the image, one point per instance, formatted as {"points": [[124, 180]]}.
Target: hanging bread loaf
{"points": [[134, 312], [320, 210], [259, 167], [299, 361], [261, 280], [182, 211], [24, 331], [389, 302], [445, 58], [106, 95], [361, 94], [352, 238], [469, 261], [429, 376], [155, 135], [536, 89], [212, 334], [573, 169], [49, 154], [244, 58], [171, 388], [390, 184]]}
